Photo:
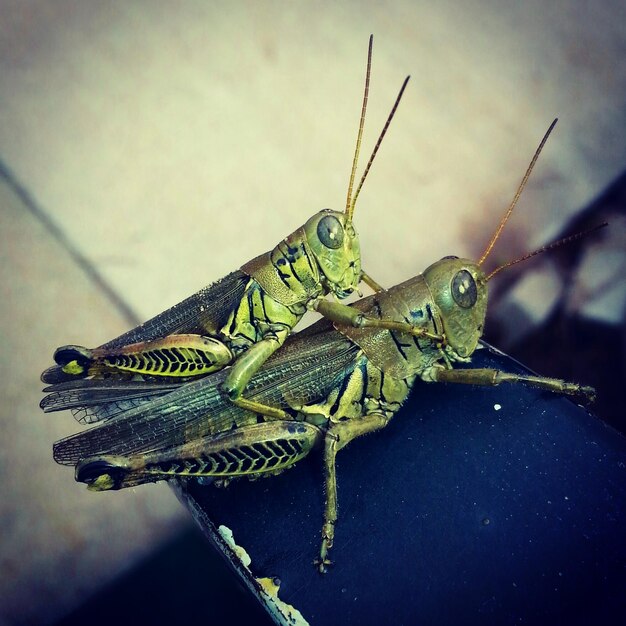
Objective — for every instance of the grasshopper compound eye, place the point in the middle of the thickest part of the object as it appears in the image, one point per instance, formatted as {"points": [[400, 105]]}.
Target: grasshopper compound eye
{"points": [[464, 289], [330, 232]]}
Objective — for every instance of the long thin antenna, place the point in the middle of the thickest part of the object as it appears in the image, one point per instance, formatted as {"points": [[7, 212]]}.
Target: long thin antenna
{"points": [[504, 220], [380, 139], [349, 204], [551, 246]]}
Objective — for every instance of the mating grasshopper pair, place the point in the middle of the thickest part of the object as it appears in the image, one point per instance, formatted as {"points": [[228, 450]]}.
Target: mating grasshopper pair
{"points": [[166, 418]]}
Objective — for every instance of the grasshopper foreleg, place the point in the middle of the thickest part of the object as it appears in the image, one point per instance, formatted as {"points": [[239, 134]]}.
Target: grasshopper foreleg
{"points": [[345, 315], [370, 282], [339, 435], [493, 377]]}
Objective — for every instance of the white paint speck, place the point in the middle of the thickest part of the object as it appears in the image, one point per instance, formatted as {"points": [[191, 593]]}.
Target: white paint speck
{"points": [[497, 407]]}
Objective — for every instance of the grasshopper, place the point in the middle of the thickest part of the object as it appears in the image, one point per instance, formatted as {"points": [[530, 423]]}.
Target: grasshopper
{"points": [[244, 318], [333, 384]]}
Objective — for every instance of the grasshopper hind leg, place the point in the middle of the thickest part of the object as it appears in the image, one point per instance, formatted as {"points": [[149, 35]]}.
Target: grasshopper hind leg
{"points": [[338, 436], [249, 451], [174, 356]]}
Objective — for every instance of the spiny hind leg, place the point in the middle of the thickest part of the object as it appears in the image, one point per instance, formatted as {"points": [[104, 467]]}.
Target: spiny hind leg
{"points": [[252, 451], [339, 435], [174, 356]]}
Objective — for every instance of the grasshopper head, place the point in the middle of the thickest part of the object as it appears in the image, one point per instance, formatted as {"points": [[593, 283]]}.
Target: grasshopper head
{"points": [[330, 234], [459, 286], [335, 245], [459, 290]]}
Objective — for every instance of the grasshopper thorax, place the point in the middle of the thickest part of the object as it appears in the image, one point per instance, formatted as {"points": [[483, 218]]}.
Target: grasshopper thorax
{"points": [[458, 289], [337, 251]]}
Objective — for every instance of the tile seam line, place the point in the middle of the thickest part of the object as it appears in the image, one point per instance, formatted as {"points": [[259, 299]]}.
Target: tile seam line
{"points": [[84, 264]]}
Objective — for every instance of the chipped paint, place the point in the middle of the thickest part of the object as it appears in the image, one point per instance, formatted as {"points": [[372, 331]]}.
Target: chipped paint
{"points": [[242, 555], [281, 612], [285, 613]]}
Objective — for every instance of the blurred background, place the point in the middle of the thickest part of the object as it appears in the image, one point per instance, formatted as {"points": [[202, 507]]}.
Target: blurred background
{"points": [[149, 148]]}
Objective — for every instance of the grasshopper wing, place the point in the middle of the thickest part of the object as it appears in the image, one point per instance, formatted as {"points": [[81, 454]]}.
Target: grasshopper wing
{"points": [[93, 400], [204, 312], [302, 372]]}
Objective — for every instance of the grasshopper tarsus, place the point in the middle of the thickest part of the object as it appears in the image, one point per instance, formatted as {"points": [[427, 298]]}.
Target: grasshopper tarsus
{"points": [[322, 563], [586, 393]]}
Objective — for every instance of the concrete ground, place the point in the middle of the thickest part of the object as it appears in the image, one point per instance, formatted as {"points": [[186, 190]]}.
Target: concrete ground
{"points": [[149, 148]]}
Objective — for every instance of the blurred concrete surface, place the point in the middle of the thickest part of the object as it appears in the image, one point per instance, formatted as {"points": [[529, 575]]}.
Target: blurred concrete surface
{"points": [[59, 542], [171, 142]]}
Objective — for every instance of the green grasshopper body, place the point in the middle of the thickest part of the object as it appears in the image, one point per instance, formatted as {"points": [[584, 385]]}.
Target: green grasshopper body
{"points": [[245, 317], [334, 383], [327, 386]]}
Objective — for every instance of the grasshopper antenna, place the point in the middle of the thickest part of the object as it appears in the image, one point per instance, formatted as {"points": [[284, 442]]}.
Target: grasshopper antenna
{"points": [[351, 201], [380, 139], [359, 137], [550, 246], [518, 193]]}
